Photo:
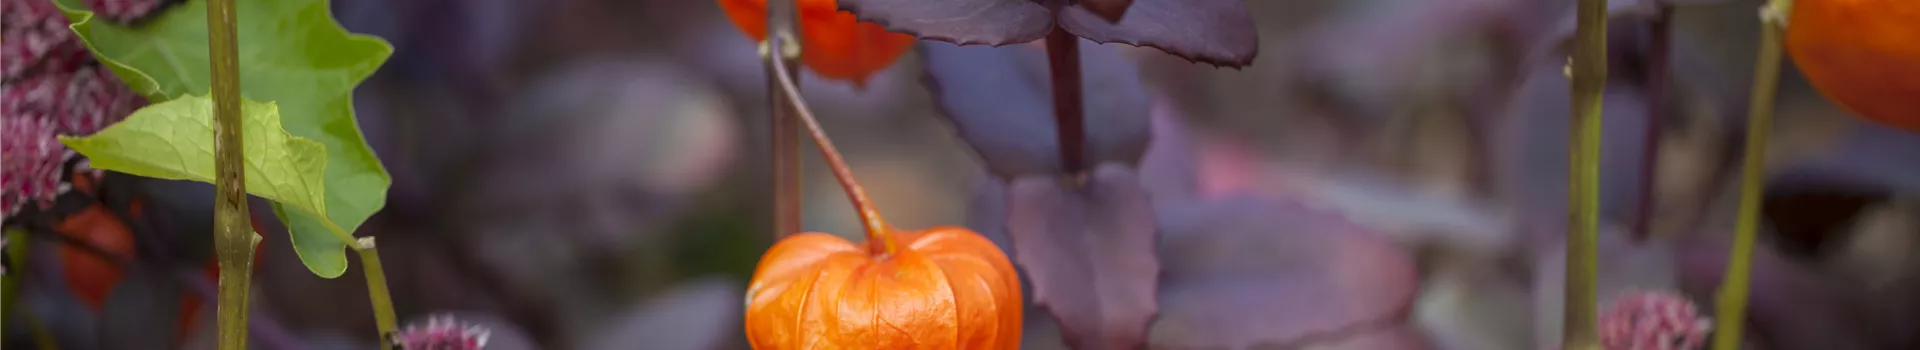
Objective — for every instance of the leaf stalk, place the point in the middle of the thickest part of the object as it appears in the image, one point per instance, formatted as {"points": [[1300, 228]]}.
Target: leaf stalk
{"points": [[383, 315]]}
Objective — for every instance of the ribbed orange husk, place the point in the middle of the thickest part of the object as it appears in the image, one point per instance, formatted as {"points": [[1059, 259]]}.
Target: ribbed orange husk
{"points": [[1862, 54], [946, 288], [835, 44]]}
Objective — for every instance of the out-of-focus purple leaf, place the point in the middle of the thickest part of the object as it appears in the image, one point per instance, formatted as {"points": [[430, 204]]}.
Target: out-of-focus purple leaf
{"points": [[1250, 272], [1791, 306], [702, 314], [1170, 167], [964, 22], [1216, 32], [1089, 252], [987, 211], [1000, 102], [1410, 215], [142, 312], [1110, 10], [1530, 152], [1869, 155]]}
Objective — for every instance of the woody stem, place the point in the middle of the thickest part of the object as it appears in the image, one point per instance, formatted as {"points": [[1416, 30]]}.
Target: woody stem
{"points": [[878, 238], [785, 136], [233, 235], [1063, 58]]}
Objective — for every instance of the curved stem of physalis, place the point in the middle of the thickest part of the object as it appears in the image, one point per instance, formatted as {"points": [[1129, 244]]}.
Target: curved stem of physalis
{"points": [[879, 241]]}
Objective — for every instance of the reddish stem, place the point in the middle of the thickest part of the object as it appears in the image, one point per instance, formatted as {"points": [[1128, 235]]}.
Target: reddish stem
{"points": [[785, 136], [1658, 71], [1063, 58], [878, 239]]}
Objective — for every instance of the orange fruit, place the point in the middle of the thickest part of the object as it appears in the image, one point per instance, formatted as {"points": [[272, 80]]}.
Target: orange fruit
{"points": [[1862, 54]]}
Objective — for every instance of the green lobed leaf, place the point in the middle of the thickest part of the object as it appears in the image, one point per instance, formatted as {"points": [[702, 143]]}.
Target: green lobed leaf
{"points": [[292, 52], [174, 140]]}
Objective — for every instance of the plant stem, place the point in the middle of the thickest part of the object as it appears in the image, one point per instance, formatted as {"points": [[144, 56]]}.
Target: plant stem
{"points": [[1659, 69], [16, 250], [1063, 60], [383, 316], [879, 241], [1589, 81], [786, 137], [1732, 301], [233, 234]]}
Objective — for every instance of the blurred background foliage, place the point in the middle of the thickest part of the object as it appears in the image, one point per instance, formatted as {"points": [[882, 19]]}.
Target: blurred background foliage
{"points": [[591, 174]]}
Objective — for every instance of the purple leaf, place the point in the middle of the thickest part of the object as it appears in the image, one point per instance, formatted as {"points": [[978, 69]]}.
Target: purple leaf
{"points": [[1791, 305], [1170, 167], [1110, 10], [1530, 151], [1250, 272], [1217, 32], [1089, 252], [1000, 102], [1869, 155], [964, 22]]}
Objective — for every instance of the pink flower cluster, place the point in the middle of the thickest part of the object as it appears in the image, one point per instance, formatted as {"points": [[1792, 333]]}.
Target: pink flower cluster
{"points": [[442, 333], [1653, 320], [52, 86]]}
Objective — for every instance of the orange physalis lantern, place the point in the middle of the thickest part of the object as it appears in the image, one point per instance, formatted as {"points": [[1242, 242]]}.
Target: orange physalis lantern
{"points": [[941, 288], [835, 44], [1862, 54]]}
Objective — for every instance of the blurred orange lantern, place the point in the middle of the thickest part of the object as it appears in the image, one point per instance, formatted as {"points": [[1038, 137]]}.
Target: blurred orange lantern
{"points": [[945, 288], [941, 288], [835, 44], [1862, 54]]}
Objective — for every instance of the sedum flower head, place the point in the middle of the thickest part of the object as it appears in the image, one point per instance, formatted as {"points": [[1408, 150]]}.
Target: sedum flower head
{"points": [[442, 333]]}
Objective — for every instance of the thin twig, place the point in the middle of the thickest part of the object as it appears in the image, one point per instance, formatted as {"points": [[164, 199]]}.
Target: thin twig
{"points": [[1732, 301], [1659, 69], [1063, 60], [1589, 74], [781, 23], [233, 235]]}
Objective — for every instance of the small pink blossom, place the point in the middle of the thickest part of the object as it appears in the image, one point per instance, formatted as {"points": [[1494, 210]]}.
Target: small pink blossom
{"points": [[30, 162], [1653, 320], [442, 333]]}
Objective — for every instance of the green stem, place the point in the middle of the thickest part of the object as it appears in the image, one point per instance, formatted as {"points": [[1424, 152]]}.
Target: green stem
{"points": [[233, 234], [383, 315], [16, 250], [1732, 301], [1589, 75]]}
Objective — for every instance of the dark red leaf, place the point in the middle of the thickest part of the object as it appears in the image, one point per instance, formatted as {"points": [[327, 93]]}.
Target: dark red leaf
{"points": [[1110, 10], [1000, 102], [1249, 272], [964, 22], [1217, 32], [1089, 252]]}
